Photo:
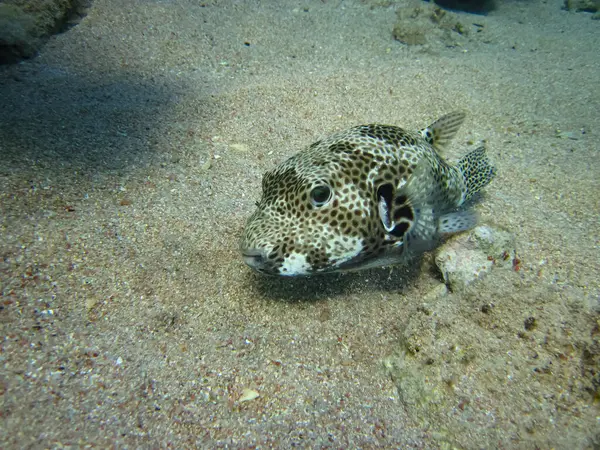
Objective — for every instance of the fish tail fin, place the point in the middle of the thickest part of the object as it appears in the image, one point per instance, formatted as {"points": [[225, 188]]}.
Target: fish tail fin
{"points": [[477, 171]]}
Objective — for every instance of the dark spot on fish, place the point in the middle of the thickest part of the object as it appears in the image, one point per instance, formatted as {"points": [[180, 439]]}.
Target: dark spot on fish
{"points": [[400, 229], [342, 147], [389, 134], [386, 191], [405, 212]]}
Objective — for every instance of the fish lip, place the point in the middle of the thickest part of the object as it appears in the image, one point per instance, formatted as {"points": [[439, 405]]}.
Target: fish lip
{"points": [[255, 258], [251, 252]]}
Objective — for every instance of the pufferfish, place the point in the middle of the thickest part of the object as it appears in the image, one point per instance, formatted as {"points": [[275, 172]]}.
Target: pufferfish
{"points": [[373, 195]]}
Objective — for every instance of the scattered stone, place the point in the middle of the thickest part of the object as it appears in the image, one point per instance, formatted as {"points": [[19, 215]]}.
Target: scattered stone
{"points": [[441, 290], [470, 256], [239, 147], [420, 24], [530, 323], [410, 383], [90, 303], [409, 34], [247, 395], [574, 135], [487, 308]]}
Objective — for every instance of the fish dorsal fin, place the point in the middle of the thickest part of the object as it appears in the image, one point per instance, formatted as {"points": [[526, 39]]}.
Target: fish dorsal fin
{"points": [[443, 130]]}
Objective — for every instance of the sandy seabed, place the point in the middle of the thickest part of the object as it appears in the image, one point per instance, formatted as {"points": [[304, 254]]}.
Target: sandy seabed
{"points": [[132, 150]]}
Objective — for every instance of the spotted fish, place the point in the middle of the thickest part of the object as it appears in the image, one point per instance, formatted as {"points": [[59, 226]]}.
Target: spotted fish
{"points": [[370, 196]]}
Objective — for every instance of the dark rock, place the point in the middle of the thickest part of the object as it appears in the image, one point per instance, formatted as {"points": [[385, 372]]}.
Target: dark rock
{"points": [[583, 5], [472, 6], [25, 25]]}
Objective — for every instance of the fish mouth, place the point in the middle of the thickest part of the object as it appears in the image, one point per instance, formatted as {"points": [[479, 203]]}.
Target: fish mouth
{"points": [[253, 257], [257, 260]]}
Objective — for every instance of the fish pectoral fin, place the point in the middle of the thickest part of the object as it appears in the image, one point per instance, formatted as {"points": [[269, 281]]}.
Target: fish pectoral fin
{"points": [[443, 130], [429, 229], [423, 235], [408, 214], [456, 222]]}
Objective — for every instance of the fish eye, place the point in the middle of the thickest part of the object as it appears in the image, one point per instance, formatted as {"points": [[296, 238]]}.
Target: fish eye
{"points": [[320, 195]]}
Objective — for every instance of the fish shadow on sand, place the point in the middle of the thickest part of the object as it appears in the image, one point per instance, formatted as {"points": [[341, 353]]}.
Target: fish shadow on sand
{"points": [[319, 287]]}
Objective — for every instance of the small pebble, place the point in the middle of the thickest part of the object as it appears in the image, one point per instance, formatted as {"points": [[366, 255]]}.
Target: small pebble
{"points": [[247, 395], [239, 147]]}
